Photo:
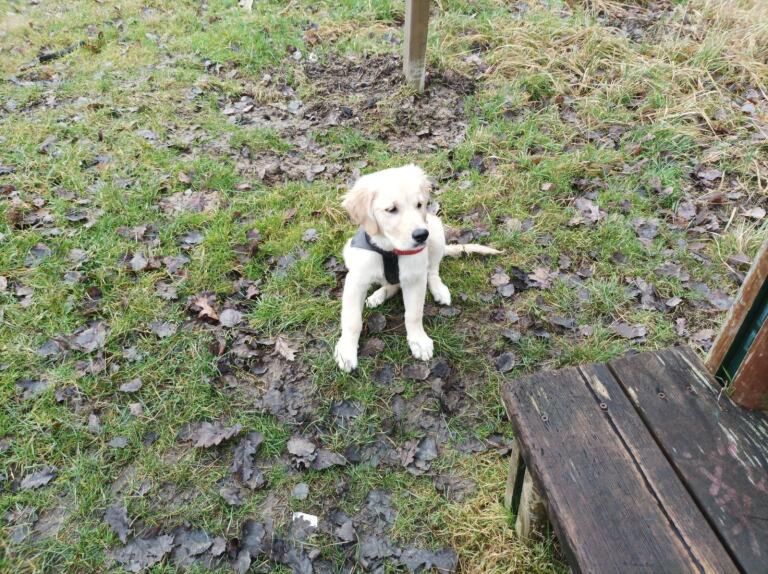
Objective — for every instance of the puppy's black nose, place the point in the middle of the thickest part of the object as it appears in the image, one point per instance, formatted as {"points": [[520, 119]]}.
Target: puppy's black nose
{"points": [[420, 235]]}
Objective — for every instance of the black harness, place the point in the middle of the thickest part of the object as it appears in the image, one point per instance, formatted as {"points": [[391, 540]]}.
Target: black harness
{"points": [[362, 240]]}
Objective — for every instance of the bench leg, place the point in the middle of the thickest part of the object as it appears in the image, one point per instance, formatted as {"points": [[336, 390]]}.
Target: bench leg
{"points": [[532, 512], [522, 497], [516, 466]]}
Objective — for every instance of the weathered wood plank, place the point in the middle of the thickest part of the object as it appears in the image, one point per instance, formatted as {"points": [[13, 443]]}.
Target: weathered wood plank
{"points": [[719, 450], [603, 507], [750, 386], [415, 44], [685, 517], [756, 278]]}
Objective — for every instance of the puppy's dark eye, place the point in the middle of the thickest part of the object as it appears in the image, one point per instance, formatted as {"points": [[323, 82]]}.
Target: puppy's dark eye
{"points": [[418, 205], [392, 209]]}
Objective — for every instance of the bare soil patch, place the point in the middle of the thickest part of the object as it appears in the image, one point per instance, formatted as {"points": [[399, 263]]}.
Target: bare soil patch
{"points": [[364, 94]]}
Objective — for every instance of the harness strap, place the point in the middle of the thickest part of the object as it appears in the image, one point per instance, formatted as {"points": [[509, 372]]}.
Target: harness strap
{"points": [[362, 240]]}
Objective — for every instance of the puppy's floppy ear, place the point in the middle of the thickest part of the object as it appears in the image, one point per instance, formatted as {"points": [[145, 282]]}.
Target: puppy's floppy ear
{"points": [[358, 202]]}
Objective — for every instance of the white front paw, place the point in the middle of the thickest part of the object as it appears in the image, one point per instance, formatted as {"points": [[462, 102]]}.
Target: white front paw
{"points": [[441, 294], [422, 347], [376, 298], [345, 354]]}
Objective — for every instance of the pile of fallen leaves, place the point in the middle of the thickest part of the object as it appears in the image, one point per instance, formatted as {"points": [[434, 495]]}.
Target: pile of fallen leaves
{"points": [[364, 537], [361, 537]]}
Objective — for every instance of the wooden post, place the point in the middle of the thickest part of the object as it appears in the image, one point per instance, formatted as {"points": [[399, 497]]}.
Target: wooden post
{"points": [[415, 45], [740, 352], [750, 387]]}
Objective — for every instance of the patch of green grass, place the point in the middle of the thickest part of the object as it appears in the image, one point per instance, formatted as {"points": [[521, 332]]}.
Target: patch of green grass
{"points": [[563, 107], [257, 139]]}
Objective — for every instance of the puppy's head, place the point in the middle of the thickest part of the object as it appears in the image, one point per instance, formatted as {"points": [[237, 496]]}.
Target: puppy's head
{"points": [[392, 203]]}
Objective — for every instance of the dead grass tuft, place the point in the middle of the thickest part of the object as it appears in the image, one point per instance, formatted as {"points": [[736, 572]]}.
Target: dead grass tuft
{"points": [[743, 22], [484, 530]]}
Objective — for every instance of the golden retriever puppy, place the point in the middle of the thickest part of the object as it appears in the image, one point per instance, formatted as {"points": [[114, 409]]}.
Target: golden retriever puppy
{"points": [[398, 246]]}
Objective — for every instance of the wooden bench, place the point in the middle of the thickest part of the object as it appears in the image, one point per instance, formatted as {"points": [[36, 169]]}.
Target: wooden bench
{"points": [[646, 464], [642, 465]]}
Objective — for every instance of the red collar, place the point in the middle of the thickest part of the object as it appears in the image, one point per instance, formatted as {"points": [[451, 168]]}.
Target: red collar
{"points": [[409, 251], [364, 241]]}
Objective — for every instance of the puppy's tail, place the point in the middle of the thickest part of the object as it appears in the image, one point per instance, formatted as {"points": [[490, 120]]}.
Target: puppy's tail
{"points": [[456, 250]]}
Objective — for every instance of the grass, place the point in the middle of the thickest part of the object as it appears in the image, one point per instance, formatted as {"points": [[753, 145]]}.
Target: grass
{"points": [[565, 97]]}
